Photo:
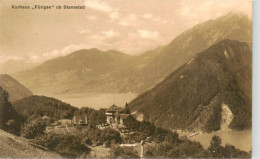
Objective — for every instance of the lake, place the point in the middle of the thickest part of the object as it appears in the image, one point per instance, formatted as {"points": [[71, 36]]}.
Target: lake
{"points": [[240, 139], [96, 101]]}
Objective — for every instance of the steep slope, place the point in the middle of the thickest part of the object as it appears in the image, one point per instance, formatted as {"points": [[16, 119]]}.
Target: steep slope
{"points": [[87, 71], [149, 72], [18, 147], [192, 96], [148, 69], [14, 88], [72, 71]]}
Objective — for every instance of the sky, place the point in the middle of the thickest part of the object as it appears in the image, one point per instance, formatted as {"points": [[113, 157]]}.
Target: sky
{"points": [[130, 26]]}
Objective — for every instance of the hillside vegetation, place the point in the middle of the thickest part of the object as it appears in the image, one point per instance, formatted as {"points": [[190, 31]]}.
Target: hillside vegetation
{"points": [[191, 97], [44, 106], [10, 120], [18, 147]]}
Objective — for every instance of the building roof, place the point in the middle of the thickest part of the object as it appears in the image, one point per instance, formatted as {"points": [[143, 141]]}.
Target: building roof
{"points": [[114, 108], [124, 116]]}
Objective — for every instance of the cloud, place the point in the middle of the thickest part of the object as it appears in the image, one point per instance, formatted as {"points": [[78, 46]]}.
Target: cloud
{"points": [[124, 22], [56, 53], [85, 31], [102, 38], [185, 11], [36, 58], [92, 17], [98, 5], [147, 16], [129, 26], [71, 48], [165, 21], [132, 16], [153, 18], [114, 15], [147, 34], [110, 33], [130, 19], [13, 58], [157, 19]]}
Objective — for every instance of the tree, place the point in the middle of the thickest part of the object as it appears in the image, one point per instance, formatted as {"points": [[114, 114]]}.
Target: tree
{"points": [[10, 120], [172, 138], [5, 107], [108, 135], [69, 146], [34, 126], [214, 121], [230, 151], [127, 109], [215, 148]]}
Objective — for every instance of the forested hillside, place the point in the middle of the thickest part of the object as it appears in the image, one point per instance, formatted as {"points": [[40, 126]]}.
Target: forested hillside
{"points": [[192, 96], [44, 106]]}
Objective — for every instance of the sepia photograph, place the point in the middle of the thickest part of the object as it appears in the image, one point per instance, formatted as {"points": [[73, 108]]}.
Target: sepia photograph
{"points": [[126, 78]]}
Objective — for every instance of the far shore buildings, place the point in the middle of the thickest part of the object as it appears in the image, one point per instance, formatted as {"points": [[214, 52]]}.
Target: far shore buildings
{"points": [[119, 118]]}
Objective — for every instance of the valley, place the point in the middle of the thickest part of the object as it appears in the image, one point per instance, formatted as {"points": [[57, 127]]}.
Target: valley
{"points": [[191, 98]]}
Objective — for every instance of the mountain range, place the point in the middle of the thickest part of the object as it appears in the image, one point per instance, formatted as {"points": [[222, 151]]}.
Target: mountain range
{"points": [[96, 71], [72, 72], [192, 96]]}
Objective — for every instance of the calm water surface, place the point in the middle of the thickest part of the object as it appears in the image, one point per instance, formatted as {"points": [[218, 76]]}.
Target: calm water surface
{"points": [[240, 139], [96, 101]]}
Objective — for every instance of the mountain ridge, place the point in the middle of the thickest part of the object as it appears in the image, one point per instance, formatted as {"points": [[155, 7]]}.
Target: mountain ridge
{"points": [[135, 73], [193, 94], [73, 69]]}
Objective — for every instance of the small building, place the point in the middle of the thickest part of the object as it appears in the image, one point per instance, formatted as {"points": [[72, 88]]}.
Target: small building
{"points": [[120, 118], [111, 111], [80, 120]]}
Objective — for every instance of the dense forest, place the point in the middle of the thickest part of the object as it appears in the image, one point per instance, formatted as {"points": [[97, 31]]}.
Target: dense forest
{"points": [[44, 106]]}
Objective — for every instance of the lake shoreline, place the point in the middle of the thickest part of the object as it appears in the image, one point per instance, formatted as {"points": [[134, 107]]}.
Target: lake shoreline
{"points": [[94, 100], [240, 139]]}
